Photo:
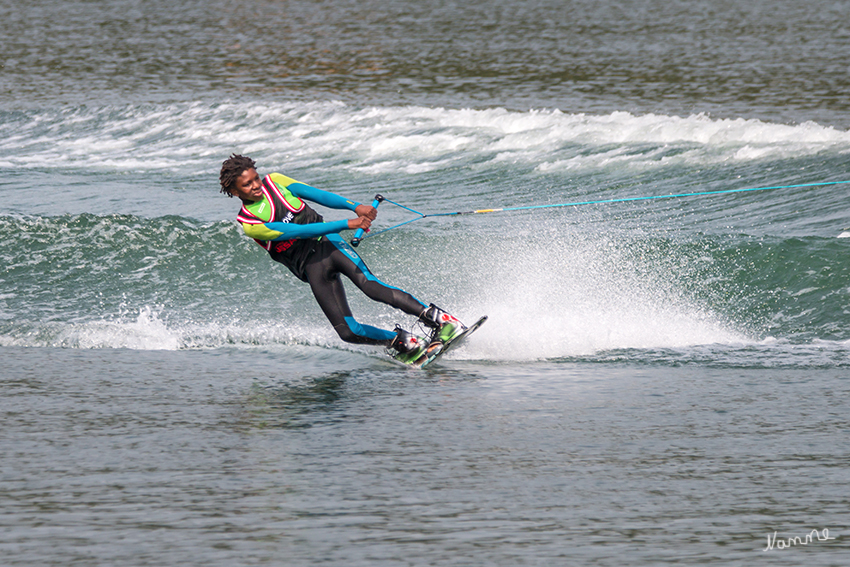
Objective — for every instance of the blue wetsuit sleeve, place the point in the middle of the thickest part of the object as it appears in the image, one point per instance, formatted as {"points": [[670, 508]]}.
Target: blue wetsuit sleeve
{"points": [[288, 230], [331, 200]]}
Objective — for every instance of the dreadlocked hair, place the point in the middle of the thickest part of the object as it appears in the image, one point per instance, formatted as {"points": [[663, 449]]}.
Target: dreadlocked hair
{"points": [[231, 169]]}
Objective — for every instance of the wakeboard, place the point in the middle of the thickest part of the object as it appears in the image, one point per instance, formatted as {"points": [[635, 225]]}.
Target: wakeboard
{"points": [[454, 343]]}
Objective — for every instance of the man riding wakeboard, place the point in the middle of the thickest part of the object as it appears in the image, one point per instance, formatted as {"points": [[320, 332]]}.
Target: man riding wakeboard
{"points": [[275, 215]]}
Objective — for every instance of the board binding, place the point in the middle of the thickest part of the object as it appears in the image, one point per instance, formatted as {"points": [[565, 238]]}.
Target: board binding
{"points": [[426, 360]]}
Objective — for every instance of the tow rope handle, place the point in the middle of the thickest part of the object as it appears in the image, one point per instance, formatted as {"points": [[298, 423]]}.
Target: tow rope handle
{"points": [[358, 236]]}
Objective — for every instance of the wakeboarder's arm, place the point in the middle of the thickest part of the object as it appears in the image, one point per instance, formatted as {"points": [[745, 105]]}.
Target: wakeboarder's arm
{"points": [[304, 191], [325, 198], [331, 200], [288, 230]]}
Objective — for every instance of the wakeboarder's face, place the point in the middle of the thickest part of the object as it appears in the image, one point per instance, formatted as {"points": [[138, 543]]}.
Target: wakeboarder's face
{"points": [[248, 186]]}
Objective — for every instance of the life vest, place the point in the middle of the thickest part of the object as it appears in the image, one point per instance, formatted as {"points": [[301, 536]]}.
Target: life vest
{"points": [[280, 205]]}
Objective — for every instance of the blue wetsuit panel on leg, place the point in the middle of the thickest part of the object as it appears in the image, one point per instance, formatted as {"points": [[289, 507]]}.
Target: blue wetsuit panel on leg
{"points": [[368, 331]]}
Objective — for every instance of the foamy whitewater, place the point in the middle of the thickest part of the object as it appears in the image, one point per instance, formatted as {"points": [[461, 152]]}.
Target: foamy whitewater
{"points": [[407, 140]]}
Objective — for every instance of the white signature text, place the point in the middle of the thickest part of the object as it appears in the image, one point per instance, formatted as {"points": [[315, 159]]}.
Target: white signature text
{"points": [[793, 541]]}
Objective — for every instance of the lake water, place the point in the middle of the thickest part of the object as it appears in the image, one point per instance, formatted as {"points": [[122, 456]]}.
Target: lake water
{"points": [[661, 381]]}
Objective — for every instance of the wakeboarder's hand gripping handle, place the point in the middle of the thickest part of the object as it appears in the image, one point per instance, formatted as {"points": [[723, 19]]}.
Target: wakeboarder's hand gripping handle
{"points": [[358, 236]]}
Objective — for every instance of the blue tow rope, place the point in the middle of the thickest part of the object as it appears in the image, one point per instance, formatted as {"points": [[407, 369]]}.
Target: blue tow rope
{"points": [[359, 236]]}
